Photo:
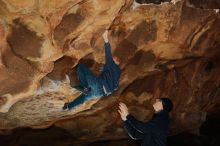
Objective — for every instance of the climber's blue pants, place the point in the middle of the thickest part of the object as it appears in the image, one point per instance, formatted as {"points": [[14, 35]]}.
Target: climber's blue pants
{"points": [[87, 79]]}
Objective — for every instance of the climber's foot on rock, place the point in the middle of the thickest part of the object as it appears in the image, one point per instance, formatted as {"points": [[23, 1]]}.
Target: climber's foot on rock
{"points": [[65, 106]]}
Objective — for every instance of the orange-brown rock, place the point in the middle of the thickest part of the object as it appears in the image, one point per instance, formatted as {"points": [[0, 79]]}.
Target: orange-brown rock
{"points": [[168, 49]]}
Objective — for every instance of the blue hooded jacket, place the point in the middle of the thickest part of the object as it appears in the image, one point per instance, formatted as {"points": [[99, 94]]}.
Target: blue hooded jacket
{"points": [[111, 71], [151, 133]]}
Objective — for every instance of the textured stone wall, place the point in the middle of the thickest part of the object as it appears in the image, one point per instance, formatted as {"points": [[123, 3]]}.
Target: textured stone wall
{"points": [[167, 49]]}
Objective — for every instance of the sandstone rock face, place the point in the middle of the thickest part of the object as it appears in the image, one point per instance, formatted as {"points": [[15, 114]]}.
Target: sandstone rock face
{"points": [[167, 49]]}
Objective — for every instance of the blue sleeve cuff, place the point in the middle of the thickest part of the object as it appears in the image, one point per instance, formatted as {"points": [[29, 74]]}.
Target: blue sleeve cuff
{"points": [[129, 117], [107, 44]]}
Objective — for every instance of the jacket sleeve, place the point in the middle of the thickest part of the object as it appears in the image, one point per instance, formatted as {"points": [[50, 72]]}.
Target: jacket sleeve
{"points": [[108, 54], [151, 126], [133, 133]]}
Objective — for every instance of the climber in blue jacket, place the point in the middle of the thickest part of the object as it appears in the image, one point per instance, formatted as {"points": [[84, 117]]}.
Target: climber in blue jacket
{"points": [[93, 87], [155, 131]]}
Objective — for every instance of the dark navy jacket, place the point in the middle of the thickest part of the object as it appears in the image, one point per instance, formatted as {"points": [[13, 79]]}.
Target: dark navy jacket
{"points": [[111, 71], [151, 133]]}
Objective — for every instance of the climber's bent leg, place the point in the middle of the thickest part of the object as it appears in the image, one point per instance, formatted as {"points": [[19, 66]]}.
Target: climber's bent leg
{"points": [[84, 74], [96, 92]]}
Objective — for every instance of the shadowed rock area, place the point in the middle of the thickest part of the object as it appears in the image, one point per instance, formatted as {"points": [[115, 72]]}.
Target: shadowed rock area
{"points": [[166, 48]]}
